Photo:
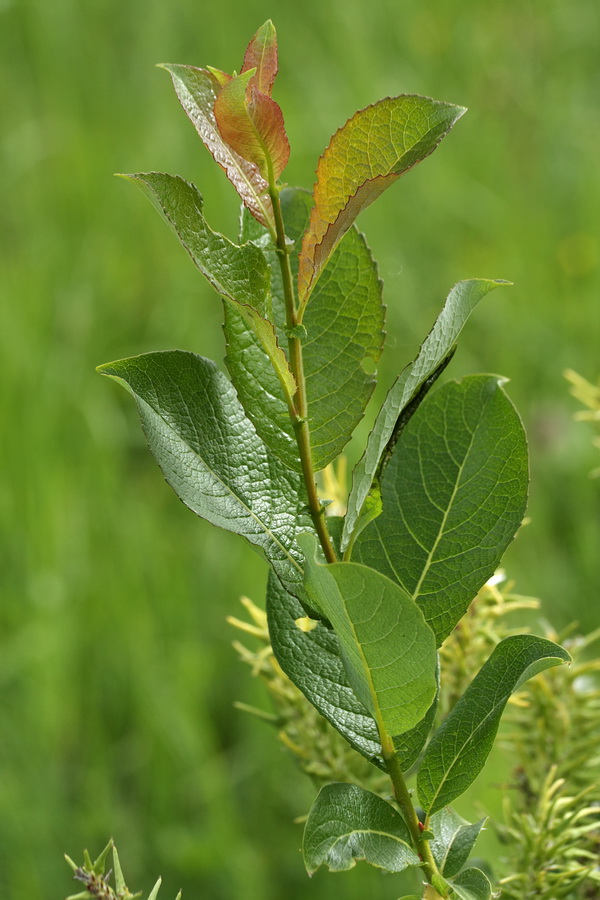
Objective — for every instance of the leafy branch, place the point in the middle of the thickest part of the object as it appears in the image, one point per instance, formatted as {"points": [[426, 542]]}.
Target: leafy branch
{"points": [[357, 606]]}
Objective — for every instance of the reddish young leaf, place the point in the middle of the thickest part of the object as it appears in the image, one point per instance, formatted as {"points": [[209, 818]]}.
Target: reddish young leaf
{"points": [[366, 155], [252, 124], [261, 54], [197, 90]]}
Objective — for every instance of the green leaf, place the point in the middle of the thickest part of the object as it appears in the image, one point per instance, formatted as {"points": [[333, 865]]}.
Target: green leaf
{"points": [[344, 324], [387, 648], [454, 495], [154, 892], [120, 885], [408, 746], [454, 839], [258, 387], [344, 335], [312, 661], [364, 157], [197, 90], [460, 747], [472, 884], [347, 823], [211, 455], [239, 274], [461, 301]]}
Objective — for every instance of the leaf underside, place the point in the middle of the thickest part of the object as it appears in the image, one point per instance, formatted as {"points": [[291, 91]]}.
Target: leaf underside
{"points": [[197, 90]]}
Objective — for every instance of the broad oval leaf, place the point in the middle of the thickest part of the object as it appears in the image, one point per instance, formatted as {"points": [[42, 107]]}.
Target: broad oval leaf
{"points": [[436, 348], [197, 90], [343, 333], [458, 750], [211, 456], [312, 661], [387, 647], [454, 494], [472, 884], [364, 157], [347, 823], [454, 838]]}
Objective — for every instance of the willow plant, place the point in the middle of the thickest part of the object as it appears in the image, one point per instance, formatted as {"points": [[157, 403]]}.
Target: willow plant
{"points": [[357, 605]]}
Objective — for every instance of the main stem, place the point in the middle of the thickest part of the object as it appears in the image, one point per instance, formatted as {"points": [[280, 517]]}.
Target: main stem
{"points": [[404, 801], [300, 413]]}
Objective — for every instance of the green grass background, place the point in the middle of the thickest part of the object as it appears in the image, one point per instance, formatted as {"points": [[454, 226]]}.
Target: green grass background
{"points": [[116, 675]]}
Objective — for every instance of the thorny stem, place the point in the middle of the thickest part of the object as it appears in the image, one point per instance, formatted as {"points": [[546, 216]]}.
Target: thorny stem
{"points": [[299, 413], [404, 801]]}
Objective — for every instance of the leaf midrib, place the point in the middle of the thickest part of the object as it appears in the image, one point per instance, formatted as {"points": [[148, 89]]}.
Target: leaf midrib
{"points": [[218, 478], [504, 699]]}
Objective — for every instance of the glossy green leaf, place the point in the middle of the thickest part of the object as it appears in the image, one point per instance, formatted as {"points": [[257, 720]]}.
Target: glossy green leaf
{"points": [[312, 661], [436, 348], [211, 456], [454, 494], [454, 839], [387, 647], [197, 90], [364, 157], [459, 749], [344, 335], [472, 884], [347, 823], [240, 274]]}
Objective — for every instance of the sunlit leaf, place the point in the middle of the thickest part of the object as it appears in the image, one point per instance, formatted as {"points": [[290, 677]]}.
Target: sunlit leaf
{"points": [[364, 157], [387, 647], [347, 823], [458, 750]]}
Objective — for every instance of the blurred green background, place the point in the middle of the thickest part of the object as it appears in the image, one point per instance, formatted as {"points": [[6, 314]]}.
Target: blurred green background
{"points": [[116, 674]]}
